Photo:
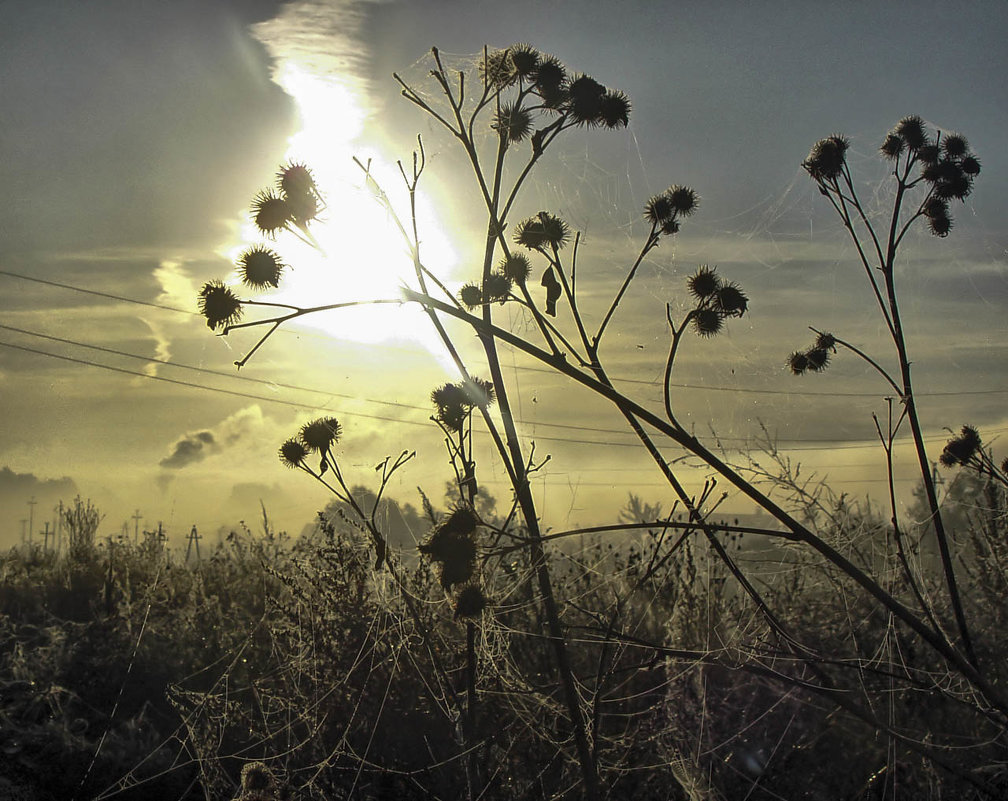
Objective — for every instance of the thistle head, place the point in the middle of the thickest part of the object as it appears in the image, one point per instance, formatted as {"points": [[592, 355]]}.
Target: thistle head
{"points": [[497, 288], [260, 268], [614, 111], [704, 282], [827, 157], [471, 296], [730, 301], [470, 602], [270, 213], [542, 231], [512, 122], [293, 453], [959, 450], [524, 59], [295, 179], [584, 100], [912, 131], [707, 322], [321, 434], [219, 305], [516, 267]]}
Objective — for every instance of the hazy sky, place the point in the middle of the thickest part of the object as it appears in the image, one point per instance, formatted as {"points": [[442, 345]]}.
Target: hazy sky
{"points": [[134, 135]]}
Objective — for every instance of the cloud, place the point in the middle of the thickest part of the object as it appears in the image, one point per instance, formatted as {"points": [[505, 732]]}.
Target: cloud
{"points": [[196, 446]]}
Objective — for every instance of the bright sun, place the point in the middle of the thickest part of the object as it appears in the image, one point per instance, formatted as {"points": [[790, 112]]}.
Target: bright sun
{"points": [[365, 256]]}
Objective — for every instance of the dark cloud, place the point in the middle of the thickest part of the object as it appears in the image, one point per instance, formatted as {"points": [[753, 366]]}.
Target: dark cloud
{"points": [[190, 449]]}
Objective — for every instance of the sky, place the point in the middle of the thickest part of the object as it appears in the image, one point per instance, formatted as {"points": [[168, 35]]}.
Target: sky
{"points": [[135, 135]]}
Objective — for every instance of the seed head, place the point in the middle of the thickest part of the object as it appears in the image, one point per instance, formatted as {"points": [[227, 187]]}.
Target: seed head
{"points": [[615, 109], [798, 362], [961, 449], [683, 199], [912, 131], [320, 435], [892, 146], [730, 300], [513, 123], [516, 267], [940, 224], [955, 145], [471, 296], [295, 178], [826, 159], [659, 210], [704, 282], [542, 231], [585, 100], [470, 602], [970, 166], [270, 213], [497, 69], [825, 341], [219, 305], [818, 359], [293, 453], [707, 322], [497, 288], [480, 392], [256, 777], [524, 59], [260, 268]]}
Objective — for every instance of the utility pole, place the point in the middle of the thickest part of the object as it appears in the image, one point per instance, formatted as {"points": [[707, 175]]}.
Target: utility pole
{"points": [[194, 539], [45, 542], [31, 517], [136, 526]]}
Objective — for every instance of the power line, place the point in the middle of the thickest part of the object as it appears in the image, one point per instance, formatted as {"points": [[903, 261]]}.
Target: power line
{"points": [[833, 444], [524, 368]]}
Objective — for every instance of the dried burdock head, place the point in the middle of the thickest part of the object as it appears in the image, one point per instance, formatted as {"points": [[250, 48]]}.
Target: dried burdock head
{"points": [[892, 146], [296, 179], [542, 231], [454, 551], [256, 777], [303, 207], [293, 453], [658, 210], [707, 322], [471, 296], [934, 207], [955, 145], [825, 341], [512, 122], [939, 224], [704, 282], [461, 521], [320, 435], [270, 213], [550, 75], [584, 98], [683, 199], [497, 70], [451, 405], [670, 227], [961, 449], [260, 268], [826, 159], [952, 184], [912, 131], [516, 267], [219, 305], [615, 109], [798, 362], [524, 59], [470, 602], [928, 154], [480, 392], [818, 359], [730, 300], [970, 165], [497, 288]]}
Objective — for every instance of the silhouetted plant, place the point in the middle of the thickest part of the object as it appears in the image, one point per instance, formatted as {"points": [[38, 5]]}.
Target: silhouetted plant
{"points": [[529, 100]]}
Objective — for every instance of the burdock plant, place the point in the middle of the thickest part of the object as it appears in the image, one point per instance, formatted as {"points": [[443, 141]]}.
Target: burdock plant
{"points": [[931, 172], [515, 109]]}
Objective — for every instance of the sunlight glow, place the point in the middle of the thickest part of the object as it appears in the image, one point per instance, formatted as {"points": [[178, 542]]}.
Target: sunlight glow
{"points": [[365, 255]]}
